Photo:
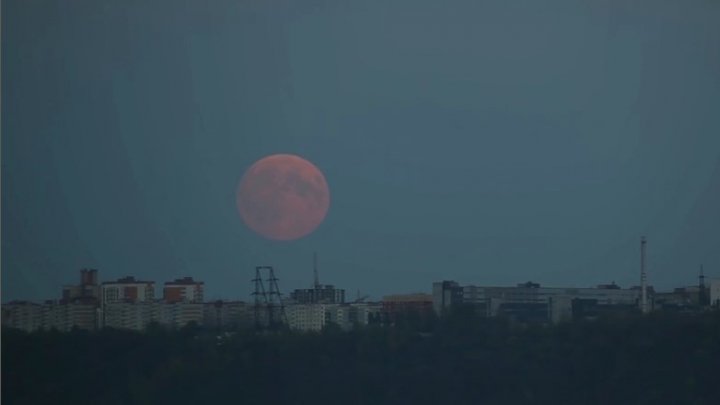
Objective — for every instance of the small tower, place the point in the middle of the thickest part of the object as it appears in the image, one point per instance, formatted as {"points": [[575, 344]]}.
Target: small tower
{"points": [[316, 276], [703, 299], [643, 278]]}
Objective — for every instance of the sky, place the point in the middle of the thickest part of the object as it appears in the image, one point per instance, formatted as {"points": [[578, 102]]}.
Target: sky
{"points": [[490, 142]]}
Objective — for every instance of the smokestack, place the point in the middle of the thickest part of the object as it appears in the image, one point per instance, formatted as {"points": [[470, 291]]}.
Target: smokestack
{"points": [[643, 283]]}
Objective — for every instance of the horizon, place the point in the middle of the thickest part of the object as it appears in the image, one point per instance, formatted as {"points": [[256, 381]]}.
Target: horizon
{"points": [[350, 292]]}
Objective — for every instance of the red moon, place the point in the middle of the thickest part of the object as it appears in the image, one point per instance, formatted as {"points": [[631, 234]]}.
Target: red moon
{"points": [[283, 197]]}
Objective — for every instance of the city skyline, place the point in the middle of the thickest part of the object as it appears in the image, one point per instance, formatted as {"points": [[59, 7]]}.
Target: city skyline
{"points": [[627, 281], [349, 294], [132, 303]]}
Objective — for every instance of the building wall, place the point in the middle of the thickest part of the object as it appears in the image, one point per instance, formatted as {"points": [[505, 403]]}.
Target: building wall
{"points": [[79, 315], [315, 317], [307, 317], [227, 314], [403, 303], [324, 294], [560, 309], [138, 315], [714, 287], [497, 300], [88, 287], [64, 317], [184, 290], [445, 295], [130, 290], [27, 316]]}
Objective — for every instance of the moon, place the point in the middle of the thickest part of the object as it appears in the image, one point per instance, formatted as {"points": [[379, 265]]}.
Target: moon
{"points": [[283, 197]]}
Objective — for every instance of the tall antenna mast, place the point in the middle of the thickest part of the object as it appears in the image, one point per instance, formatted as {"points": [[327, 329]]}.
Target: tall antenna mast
{"points": [[643, 277], [702, 296], [316, 284]]}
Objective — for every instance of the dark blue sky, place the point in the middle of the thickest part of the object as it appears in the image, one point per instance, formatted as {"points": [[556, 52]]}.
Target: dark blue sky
{"points": [[491, 142]]}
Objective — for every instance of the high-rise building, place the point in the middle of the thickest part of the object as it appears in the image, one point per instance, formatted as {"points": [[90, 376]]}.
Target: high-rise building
{"points": [[183, 290], [127, 289], [320, 294], [88, 287]]}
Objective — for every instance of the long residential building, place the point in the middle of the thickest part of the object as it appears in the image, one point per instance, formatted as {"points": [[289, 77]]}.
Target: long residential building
{"points": [[529, 299], [139, 315], [315, 317], [30, 316]]}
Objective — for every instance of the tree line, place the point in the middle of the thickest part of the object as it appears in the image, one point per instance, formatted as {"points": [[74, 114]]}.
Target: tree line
{"points": [[460, 358]]}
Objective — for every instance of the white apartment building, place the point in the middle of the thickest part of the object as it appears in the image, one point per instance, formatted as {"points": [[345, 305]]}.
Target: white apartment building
{"points": [[184, 290], [23, 315], [127, 289], [314, 317], [714, 287], [138, 315], [307, 317], [29, 316]]}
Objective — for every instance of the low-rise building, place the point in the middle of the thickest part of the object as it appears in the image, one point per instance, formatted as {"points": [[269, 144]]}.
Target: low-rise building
{"points": [[714, 292], [315, 317], [401, 304], [227, 315]]}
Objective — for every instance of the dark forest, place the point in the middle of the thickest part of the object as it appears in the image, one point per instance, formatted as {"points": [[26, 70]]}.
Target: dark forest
{"points": [[459, 359]]}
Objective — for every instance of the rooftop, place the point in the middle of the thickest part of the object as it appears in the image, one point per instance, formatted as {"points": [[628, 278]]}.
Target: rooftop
{"points": [[184, 281], [128, 280]]}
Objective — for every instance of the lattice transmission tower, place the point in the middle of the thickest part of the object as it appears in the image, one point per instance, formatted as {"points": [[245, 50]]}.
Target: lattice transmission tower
{"points": [[269, 309]]}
